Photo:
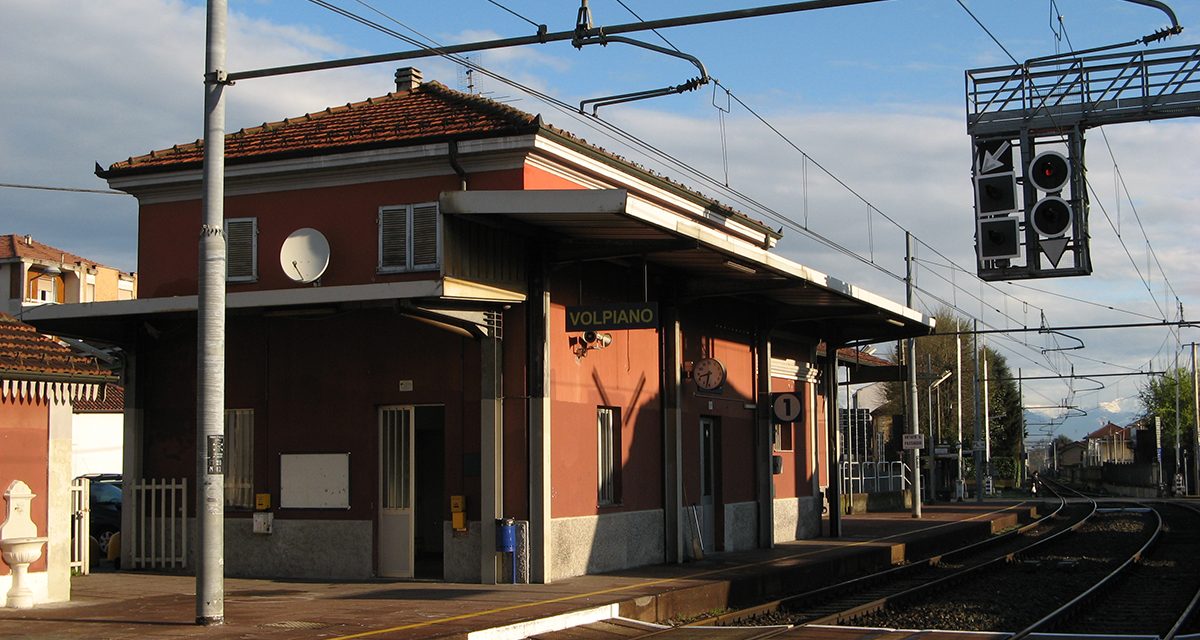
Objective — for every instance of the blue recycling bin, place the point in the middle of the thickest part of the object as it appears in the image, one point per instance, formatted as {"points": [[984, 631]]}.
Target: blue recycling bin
{"points": [[506, 542], [506, 535]]}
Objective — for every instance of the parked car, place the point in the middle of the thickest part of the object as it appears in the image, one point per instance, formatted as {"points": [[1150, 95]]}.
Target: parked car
{"points": [[104, 502]]}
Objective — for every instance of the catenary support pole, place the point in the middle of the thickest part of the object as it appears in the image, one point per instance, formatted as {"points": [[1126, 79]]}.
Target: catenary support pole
{"points": [[913, 401], [210, 370], [1178, 421], [987, 418], [958, 393], [977, 451], [1195, 426]]}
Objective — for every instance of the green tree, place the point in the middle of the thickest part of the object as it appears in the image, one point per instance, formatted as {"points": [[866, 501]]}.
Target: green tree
{"points": [[936, 355], [1157, 397]]}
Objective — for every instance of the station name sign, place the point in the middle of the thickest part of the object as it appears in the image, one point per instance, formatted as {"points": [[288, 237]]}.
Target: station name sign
{"points": [[600, 317]]}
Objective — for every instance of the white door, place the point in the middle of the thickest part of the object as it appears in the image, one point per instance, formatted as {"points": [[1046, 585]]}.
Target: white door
{"points": [[708, 472], [396, 437]]}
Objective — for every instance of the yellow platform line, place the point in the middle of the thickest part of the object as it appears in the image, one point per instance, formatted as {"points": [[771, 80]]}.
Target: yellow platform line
{"points": [[651, 583]]}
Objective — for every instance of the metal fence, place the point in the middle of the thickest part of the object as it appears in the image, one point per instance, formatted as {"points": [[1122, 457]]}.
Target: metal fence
{"points": [[159, 539], [81, 533], [874, 477]]}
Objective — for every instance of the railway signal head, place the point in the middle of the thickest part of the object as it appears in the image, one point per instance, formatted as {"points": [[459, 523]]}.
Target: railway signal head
{"points": [[999, 238], [1049, 171], [1051, 216]]}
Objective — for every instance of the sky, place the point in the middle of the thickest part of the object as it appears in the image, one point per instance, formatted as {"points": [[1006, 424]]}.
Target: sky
{"points": [[866, 140]]}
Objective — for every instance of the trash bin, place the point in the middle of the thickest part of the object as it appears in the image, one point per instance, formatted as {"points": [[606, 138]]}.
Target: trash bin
{"points": [[506, 542]]}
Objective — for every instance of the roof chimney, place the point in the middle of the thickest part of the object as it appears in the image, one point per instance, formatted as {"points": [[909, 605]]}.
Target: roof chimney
{"points": [[407, 78]]}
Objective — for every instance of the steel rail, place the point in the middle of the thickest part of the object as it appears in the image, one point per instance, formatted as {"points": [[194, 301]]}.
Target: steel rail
{"points": [[1195, 602], [1070, 607]]}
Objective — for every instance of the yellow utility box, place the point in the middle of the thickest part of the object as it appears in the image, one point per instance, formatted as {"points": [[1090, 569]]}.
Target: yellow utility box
{"points": [[458, 513]]}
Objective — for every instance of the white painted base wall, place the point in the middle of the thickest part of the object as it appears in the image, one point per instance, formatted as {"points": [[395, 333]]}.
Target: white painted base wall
{"points": [[595, 544]]}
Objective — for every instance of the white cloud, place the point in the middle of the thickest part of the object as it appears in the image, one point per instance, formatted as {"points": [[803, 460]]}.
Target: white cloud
{"points": [[87, 81]]}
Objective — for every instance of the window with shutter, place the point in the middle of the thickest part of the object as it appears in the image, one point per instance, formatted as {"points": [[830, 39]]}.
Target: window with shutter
{"points": [[425, 236], [241, 249], [393, 238], [409, 238]]}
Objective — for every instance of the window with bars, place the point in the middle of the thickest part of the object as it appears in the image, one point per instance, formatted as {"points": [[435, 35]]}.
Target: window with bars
{"points": [[410, 238], [241, 249], [239, 458], [608, 429]]}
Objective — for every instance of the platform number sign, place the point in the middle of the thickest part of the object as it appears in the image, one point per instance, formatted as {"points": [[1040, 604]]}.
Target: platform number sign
{"points": [[786, 406]]}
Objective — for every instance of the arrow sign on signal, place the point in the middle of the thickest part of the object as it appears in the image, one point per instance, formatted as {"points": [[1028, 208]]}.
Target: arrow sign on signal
{"points": [[992, 160]]}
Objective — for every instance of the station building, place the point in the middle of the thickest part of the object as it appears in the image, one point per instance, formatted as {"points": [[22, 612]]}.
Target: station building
{"points": [[512, 323]]}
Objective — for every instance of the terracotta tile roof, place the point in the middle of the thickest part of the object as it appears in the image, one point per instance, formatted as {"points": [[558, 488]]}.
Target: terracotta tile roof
{"points": [[112, 402], [1107, 430], [851, 355], [24, 351], [429, 113], [14, 246]]}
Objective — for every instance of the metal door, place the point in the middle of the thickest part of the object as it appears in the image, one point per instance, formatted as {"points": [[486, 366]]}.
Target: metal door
{"points": [[396, 451], [708, 483]]}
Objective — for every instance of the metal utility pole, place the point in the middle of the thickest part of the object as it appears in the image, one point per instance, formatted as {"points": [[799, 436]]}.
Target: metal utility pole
{"points": [[210, 369], [911, 361], [977, 451], [1195, 425], [1178, 421], [958, 479], [987, 421]]}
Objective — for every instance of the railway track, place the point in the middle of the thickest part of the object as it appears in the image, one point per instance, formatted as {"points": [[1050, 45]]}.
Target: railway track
{"points": [[858, 594], [1155, 594], [1122, 568]]}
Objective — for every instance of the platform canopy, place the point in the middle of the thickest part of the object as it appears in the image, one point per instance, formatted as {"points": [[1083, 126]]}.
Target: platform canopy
{"points": [[596, 224]]}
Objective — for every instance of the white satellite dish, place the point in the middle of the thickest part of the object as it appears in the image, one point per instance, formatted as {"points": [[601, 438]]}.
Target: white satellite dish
{"points": [[304, 255]]}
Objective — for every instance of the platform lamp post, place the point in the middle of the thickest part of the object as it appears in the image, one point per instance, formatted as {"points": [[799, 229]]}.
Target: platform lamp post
{"points": [[911, 362]]}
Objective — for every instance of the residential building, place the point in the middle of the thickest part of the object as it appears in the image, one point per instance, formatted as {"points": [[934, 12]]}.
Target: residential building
{"points": [[1109, 443], [33, 274]]}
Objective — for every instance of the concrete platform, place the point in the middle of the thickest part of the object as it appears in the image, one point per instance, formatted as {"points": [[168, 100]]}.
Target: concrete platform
{"points": [[148, 605]]}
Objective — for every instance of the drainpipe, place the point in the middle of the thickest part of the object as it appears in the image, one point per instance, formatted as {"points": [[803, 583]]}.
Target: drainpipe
{"points": [[462, 174], [764, 479], [833, 435], [671, 357]]}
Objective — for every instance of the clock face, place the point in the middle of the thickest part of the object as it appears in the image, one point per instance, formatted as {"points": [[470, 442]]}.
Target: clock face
{"points": [[708, 373]]}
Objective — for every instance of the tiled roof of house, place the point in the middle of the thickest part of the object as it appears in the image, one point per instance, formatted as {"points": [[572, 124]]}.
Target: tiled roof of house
{"points": [[1107, 430], [112, 402], [14, 246], [24, 351], [428, 113]]}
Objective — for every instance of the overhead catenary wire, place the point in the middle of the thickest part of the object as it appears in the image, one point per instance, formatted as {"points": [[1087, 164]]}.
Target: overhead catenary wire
{"points": [[41, 187], [622, 136]]}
